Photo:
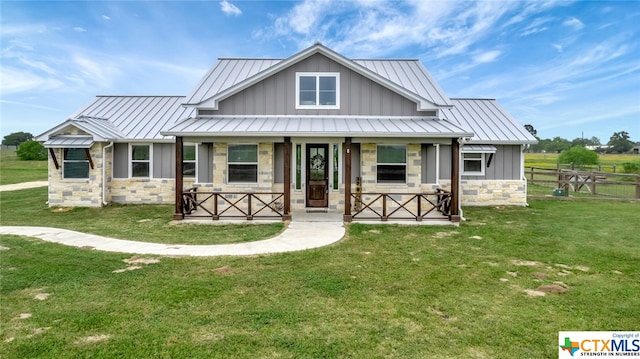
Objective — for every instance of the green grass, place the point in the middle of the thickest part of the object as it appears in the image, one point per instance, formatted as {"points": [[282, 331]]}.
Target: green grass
{"points": [[13, 170], [384, 291], [607, 161], [149, 223]]}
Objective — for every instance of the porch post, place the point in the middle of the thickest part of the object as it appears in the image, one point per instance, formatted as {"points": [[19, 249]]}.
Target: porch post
{"points": [[178, 213], [287, 179], [347, 179], [455, 180]]}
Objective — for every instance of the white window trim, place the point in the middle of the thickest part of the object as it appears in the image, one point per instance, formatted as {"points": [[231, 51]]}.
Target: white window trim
{"points": [[195, 161], [473, 173], [150, 160], [257, 163], [317, 105], [392, 164], [75, 161]]}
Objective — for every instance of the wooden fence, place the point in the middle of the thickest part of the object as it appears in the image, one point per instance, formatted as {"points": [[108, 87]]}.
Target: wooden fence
{"points": [[546, 181]]}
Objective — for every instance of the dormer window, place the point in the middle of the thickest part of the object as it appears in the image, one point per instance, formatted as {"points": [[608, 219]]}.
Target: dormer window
{"points": [[317, 90]]}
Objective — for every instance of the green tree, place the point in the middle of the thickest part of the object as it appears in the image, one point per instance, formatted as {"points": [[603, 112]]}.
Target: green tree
{"points": [[16, 138], [31, 151], [579, 156], [557, 145], [620, 142], [579, 141], [531, 130]]}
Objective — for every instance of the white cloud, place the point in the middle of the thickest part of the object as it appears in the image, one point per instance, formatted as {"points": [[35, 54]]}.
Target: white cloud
{"points": [[101, 73], [485, 57], [558, 47], [17, 80], [105, 17], [303, 17], [229, 9], [574, 23], [79, 29]]}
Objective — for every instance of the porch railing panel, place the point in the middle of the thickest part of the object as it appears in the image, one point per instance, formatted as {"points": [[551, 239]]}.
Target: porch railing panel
{"points": [[402, 206], [238, 205]]}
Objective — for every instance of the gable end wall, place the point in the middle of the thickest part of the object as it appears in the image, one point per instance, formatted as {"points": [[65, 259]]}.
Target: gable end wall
{"points": [[358, 95]]}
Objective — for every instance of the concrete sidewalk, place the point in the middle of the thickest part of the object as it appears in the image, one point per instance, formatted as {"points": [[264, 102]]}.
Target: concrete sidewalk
{"points": [[298, 236], [23, 185]]}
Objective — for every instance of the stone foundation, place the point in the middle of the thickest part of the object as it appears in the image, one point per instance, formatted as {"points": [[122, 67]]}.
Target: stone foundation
{"points": [[493, 192]]}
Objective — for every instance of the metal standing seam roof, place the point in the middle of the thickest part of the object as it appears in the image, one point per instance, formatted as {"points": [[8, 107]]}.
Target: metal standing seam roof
{"points": [[408, 74], [64, 141], [135, 117], [317, 126], [488, 120], [479, 148]]}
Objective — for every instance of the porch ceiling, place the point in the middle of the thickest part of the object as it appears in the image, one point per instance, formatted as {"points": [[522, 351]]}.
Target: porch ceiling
{"points": [[317, 126]]}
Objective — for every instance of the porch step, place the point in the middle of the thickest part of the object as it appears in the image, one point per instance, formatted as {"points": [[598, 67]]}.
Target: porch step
{"points": [[317, 210]]}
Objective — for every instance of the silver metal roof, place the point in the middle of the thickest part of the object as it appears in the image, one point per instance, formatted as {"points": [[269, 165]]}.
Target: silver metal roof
{"points": [[489, 122], [405, 75], [479, 148], [410, 74], [126, 118], [62, 141], [317, 126], [226, 73]]}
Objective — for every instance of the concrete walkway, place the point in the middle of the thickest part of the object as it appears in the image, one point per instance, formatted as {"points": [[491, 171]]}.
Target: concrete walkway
{"points": [[298, 236], [23, 185]]}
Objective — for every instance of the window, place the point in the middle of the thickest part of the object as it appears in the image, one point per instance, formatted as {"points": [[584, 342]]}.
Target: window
{"points": [[317, 90], [75, 163], [472, 163], [140, 160], [298, 166], [242, 163], [189, 161], [335, 167], [392, 164]]}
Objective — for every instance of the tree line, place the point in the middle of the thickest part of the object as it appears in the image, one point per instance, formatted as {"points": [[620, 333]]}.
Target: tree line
{"points": [[619, 142]]}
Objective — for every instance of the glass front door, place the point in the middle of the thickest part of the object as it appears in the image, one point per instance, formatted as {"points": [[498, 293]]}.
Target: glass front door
{"points": [[317, 175]]}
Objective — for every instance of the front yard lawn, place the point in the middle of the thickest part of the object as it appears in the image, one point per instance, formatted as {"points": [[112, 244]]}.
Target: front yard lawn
{"points": [[480, 290]]}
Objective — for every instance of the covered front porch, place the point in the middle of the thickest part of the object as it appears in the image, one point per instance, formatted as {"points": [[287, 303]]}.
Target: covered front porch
{"points": [[389, 170], [316, 181]]}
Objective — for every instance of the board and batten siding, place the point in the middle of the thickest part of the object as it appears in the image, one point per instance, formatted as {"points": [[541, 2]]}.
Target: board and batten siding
{"points": [[163, 158], [428, 163], [505, 164], [120, 160], [276, 95]]}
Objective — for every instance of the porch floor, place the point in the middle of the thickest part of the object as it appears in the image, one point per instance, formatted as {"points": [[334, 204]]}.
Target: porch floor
{"points": [[318, 215]]}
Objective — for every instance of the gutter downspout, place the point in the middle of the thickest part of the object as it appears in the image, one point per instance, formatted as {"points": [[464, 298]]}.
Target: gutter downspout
{"points": [[522, 176], [104, 172], [462, 142]]}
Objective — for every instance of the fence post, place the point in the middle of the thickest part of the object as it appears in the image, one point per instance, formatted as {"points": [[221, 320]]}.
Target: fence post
{"points": [[384, 208], [614, 168], [638, 187], [571, 166], [249, 216], [593, 183], [531, 174], [599, 168]]}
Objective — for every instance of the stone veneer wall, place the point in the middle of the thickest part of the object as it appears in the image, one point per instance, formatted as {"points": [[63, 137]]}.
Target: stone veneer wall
{"points": [[76, 192], [142, 190], [493, 192]]}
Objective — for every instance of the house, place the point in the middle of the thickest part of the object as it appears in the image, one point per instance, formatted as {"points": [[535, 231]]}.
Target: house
{"points": [[372, 138]]}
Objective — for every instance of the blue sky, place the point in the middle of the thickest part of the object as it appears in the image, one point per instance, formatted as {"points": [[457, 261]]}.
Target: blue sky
{"points": [[568, 68]]}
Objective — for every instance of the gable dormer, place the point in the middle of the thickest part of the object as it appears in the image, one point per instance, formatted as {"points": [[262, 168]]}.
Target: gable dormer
{"points": [[318, 81]]}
